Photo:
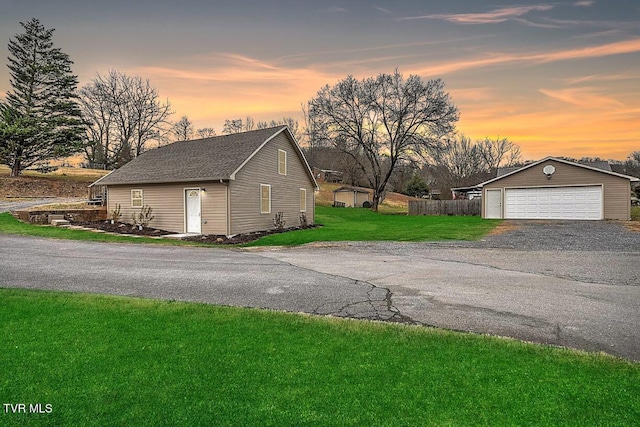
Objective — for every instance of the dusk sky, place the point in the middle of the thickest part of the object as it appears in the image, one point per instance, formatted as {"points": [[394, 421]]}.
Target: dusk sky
{"points": [[558, 78]]}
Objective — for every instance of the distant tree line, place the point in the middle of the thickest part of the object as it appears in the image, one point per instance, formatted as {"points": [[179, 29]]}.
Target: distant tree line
{"points": [[238, 125]]}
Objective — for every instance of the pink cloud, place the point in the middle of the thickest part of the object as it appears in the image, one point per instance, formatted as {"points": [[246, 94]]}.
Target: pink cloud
{"points": [[617, 48], [491, 17], [583, 97]]}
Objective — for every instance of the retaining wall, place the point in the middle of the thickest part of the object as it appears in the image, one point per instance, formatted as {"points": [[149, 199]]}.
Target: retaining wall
{"points": [[81, 215]]}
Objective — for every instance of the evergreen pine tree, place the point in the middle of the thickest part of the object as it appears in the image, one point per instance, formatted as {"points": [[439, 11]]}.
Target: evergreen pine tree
{"points": [[41, 119], [416, 187]]}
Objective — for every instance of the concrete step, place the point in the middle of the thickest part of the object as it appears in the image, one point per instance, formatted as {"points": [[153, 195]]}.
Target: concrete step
{"points": [[59, 222], [55, 217]]}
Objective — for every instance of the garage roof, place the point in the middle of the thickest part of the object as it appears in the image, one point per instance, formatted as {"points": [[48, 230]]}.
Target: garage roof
{"points": [[530, 165]]}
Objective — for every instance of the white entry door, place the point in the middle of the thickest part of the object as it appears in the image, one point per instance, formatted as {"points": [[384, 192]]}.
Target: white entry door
{"points": [[194, 224], [493, 204]]}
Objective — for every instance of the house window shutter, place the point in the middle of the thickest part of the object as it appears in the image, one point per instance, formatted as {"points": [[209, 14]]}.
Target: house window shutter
{"points": [[282, 162], [265, 198]]}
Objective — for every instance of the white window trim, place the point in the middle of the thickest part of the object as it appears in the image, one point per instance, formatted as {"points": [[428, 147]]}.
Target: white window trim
{"points": [[141, 198], [261, 187], [280, 172], [303, 208]]}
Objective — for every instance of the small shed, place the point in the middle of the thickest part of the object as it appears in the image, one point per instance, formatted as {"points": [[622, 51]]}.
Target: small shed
{"points": [[554, 188], [350, 197]]}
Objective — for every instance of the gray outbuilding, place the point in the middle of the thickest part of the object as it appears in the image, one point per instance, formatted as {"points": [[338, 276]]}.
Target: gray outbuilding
{"points": [[554, 188]]}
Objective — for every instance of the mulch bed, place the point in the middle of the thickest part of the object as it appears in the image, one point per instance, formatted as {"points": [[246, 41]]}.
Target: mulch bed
{"points": [[122, 228], [240, 238]]}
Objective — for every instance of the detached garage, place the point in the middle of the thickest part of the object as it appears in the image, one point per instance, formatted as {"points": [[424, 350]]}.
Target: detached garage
{"points": [[558, 189]]}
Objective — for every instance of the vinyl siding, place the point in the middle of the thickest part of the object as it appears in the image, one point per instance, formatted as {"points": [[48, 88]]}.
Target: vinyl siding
{"points": [[345, 197], [167, 202], [285, 189], [616, 190], [361, 198], [351, 199]]}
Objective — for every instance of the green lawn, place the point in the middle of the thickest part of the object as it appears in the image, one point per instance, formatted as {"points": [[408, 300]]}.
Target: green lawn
{"points": [[101, 360], [351, 224], [338, 225], [10, 225]]}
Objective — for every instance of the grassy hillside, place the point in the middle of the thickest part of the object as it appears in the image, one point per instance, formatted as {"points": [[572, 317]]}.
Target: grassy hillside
{"points": [[64, 182], [393, 203]]}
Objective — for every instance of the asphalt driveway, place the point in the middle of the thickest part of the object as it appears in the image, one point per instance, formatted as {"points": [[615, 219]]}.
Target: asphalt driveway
{"points": [[574, 284], [216, 275], [582, 294]]}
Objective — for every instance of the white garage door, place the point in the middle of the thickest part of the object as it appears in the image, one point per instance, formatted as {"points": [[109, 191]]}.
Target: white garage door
{"points": [[554, 203]]}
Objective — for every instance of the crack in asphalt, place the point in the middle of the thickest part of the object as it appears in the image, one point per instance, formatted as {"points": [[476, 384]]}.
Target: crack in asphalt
{"points": [[374, 307]]}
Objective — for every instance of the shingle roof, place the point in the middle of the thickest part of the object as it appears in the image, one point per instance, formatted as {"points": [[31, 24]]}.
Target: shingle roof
{"points": [[598, 164], [530, 165], [353, 188], [507, 169], [214, 158]]}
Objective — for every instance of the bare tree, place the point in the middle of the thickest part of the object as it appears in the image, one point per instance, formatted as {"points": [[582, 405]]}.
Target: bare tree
{"points": [[206, 132], [249, 124], [293, 126], [458, 161], [123, 114], [232, 126], [183, 129], [102, 145], [238, 125], [381, 121], [498, 152]]}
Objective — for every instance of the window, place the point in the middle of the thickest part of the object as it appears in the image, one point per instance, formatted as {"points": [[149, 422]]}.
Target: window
{"points": [[282, 162], [265, 198], [136, 198], [303, 200]]}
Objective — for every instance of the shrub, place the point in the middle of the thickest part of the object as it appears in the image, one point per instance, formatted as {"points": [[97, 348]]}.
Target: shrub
{"points": [[144, 217], [278, 221], [115, 214]]}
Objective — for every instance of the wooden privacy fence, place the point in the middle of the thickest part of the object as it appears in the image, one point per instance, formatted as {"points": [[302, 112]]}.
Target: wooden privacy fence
{"points": [[445, 207]]}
